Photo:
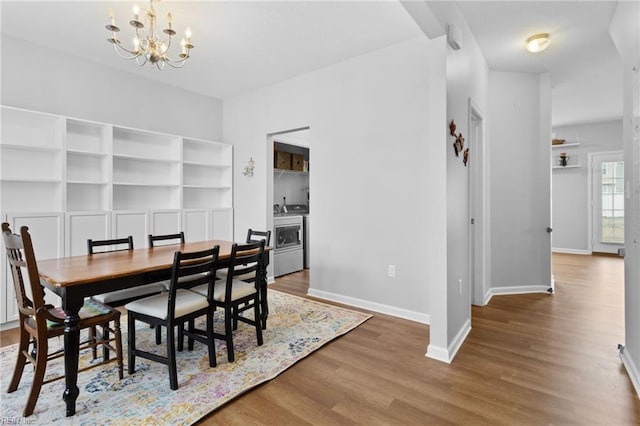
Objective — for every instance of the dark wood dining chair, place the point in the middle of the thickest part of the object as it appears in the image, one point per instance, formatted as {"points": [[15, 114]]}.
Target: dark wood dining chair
{"points": [[231, 292], [175, 307], [165, 239], [253, 236], [124, 296], [39, 321]]}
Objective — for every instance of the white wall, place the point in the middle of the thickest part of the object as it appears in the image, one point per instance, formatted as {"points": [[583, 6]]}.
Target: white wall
{"points": [[519, 148], [467, 77], [41, 79], [625, 31], [377, 145], [571, 187]]}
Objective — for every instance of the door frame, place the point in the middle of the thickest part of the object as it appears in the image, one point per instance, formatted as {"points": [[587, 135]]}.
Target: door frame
{"points": [[590, 198], [479, 232]]}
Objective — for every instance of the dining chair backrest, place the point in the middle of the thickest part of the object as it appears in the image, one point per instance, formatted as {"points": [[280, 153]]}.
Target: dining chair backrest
{"points": [[20, 255], [105, 246], [191, 269], [245, 260], [166, 239], [254, 236]]}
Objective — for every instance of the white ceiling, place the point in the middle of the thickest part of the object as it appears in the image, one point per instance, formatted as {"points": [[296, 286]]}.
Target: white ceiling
{"points": [[241, 45], [586, 72]]}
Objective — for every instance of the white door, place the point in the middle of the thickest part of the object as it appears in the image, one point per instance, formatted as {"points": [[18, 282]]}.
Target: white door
{"points": [[607, 189]]}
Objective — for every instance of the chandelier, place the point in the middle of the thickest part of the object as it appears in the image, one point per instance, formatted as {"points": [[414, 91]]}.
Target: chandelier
{"points": [[149, 45]]}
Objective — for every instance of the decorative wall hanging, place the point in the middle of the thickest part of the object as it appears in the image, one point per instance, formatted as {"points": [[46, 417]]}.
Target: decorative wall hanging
{"points": [[458, 145], [452, 128], [248, 169]]}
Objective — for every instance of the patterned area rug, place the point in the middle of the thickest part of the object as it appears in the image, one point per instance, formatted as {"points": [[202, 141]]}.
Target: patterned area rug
{"points": [[296, 328]]}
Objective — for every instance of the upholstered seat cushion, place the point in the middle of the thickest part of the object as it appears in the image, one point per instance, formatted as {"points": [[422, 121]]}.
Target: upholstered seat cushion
{"points": [[129, 293], [240, 289], [156, 306], [90, 309]]}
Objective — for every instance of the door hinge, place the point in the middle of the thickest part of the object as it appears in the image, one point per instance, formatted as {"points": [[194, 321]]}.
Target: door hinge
{"points": [[473, 221], [549, 230]]}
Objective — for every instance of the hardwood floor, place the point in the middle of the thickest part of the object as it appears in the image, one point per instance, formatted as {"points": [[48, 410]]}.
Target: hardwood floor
{"points": [[529, 360]]}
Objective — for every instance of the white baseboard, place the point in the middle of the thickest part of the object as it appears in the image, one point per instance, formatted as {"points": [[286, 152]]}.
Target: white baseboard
{"points": [[487, 297], [438, 353], [571, 251], [632, 370], [525, 289], [9, 325], [371, 306], [447, 355]]}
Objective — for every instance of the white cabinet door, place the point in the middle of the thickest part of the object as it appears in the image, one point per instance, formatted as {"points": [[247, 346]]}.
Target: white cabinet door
{"points": [[81, 226], [196, 225], [222, 224], [131, 222], [46, 231], [165, 222]]}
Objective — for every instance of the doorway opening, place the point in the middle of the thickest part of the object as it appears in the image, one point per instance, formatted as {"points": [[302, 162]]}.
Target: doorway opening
{"points": [[478, 218], [288, 196]]}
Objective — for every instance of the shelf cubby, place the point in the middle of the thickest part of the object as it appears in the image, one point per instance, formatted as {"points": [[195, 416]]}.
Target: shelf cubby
{"points": [[31, 130], [145, 145], [87, 138]]}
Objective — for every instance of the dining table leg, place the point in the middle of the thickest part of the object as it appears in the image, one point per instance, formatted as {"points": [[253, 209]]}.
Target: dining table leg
{"points": [[71, 306]]}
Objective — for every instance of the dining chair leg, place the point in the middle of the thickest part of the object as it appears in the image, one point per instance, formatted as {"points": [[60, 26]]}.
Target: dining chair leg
{"points": [[192, 327], [158, 334], [93, 337], [131, 340], [235, 317], [21, 361], [38, 378], [228, 334], [171, 358], [118, 336], [180, 337], [256, 313], [105, 338], [211, 343]]}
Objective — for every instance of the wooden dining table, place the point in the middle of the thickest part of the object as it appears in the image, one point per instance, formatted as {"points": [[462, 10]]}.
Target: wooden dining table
{"points": [[77, 277]]}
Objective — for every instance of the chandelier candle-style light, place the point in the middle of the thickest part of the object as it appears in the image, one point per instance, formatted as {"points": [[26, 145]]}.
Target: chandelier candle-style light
{"points": [[149, 46]]}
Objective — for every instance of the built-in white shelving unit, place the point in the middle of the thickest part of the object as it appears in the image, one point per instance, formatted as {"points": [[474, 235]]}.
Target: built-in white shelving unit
{"points": [[76, 179]]}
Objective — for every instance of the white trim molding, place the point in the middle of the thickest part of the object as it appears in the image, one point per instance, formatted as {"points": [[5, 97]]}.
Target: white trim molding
{"points": [[632, 370], [447, 355], [571, 251], [526, 289], [371, 306]]}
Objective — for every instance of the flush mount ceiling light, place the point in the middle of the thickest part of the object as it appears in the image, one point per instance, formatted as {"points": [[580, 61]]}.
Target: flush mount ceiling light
{"points": [[149, 45], [538, 42]]}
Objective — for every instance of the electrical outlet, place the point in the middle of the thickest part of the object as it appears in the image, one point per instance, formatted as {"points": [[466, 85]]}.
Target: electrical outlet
{"points": [[391, 271], [460, 286]]}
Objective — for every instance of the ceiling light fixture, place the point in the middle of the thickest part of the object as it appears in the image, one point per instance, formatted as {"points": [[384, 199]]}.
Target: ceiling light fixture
{"points": [[538, 42], [150, 46]]}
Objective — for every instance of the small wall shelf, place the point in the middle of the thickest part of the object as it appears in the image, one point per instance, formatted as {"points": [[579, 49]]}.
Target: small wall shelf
{"points": [[569, 166], [565, 145]]}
